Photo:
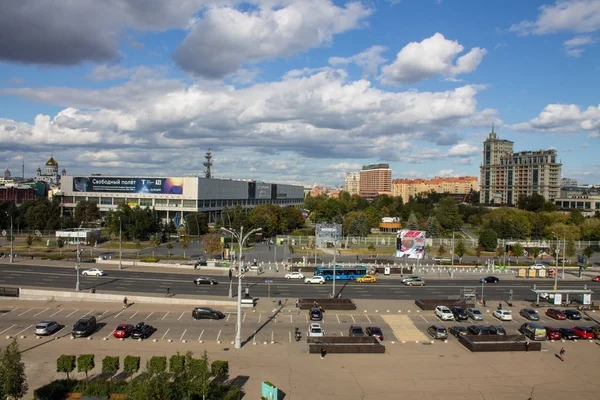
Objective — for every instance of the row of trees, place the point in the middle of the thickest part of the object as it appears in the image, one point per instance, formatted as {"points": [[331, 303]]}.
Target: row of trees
{"points": [[13, 382]]}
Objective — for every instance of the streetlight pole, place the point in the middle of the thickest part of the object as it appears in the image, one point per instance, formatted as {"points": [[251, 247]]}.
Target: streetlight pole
{"points": [[453, 249], [77, 285], [564, 255], [241, 239], [12, 239], [556, 252], [334, 262], [120, 244]]}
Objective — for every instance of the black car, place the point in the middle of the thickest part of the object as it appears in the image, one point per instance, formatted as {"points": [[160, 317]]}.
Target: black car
{"points": [[316, 314], [568, 333], [459, 313], [478, 330], [84, 327], [356, 330], [458, 330], [374, 331], [204, 280], [142, 331], [489, 279], [572, 314], [496, 330], [207, 313], [530, 314]]}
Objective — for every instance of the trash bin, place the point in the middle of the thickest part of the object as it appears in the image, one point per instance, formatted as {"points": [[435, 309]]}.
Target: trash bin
{"points": [[387, 271]]}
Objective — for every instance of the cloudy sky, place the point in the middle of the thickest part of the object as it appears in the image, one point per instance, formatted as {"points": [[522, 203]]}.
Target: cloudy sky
{"points": [[298, 91]]}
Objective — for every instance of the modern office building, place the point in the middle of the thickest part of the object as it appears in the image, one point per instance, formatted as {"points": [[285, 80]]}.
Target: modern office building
{"points": [[172, 197], [568, 182], [352, 183], [375, 180], [407, 188], [506, 176]]}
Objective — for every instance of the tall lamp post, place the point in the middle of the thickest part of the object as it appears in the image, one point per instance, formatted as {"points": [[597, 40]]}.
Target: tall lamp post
{"points": [[241, 239], [12, 239], [556, 252], [77, 285], [120, 244]]}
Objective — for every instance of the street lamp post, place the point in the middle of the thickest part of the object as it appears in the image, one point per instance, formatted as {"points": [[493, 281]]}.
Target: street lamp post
{"points": [[120, 244], [564, 255], [230, 284], [334, 262], [556, 269], [241, 239], [77, 285], [12, 239]]}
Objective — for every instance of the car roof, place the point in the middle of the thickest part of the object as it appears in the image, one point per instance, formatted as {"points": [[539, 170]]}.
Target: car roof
{"points": [[374, 328], [44, 322], [315, 325], [123, 325]]}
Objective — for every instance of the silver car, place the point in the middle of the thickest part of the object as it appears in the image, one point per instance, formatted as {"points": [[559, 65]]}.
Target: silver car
{"points": [[475, 314], [46, 328]]}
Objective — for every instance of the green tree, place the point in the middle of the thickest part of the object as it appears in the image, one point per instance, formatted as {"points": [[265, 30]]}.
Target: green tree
{"points": [[60, 243], [110, 366], [212, 244], [356, 223], [156, 365], [293, 217], [169, 246], [570, 250], [154, 243], [184, 242], [177, 364], [204, 376], [460, 250], [535, 252], [413, 223], [518, 251], [535, 202], [488, 239], [13, 381], [196, 223], [131, 365], [499, 251], [29, 242], [447, 214], [478, 251], [220, 370], [588, 252], [86, 212], [442, 250], [576, 217], [432, 226], [374, 216], [267, 217], [372, 248], [138, 247], [85, 363], [66, 364]]}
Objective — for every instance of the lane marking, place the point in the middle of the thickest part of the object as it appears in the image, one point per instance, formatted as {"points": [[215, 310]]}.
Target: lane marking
{"points": [[353, 320], [163, 336], [338, 318], [7, 329], [58, 312], [117, 316], [102, 315], [183, 334], [219, 335], [18, 333], [72, 313], [23, 313], [290, 336], [1, 315], [423, 318], [228, 315], [162, 319], [181, 316], [61, 328], [134, 314], [200, 337], [85, 315], [35, 315], [150, 315], [369, 319], [291, 319], [109, 335], [259, 317], [243, 318]]}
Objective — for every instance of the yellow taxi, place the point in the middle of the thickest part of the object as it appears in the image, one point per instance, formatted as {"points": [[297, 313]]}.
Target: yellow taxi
{"points": [[366, 278]]}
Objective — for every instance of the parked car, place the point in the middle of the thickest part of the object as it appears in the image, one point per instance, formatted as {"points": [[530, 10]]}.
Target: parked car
{"points": [[556, 314], [205, 280], [142, 331], [315, 330], [503, 315], [496, 330], [374, 331], [315, 314], [596, 279], [294, 275], [459, 313], [356, 330], [409, 278], [533, 331], [444, 313], [474, 314], [537, 266], [207, 313], [458, 330], [415, 282], [489, 279], [478, 330], [84, 327], [45, 328], [584, 332], [530, 314], [437, 332], [315, 279], [596, 330], [572, 314], [568, 333], [552, 333], [93, 272], [366, 279], [123, 331]]}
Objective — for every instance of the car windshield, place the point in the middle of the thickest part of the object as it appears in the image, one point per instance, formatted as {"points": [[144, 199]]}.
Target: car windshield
{"points": [[80, 326], [375, 330], [41, 326], [121, 328], [476, 312], [315, 330]]}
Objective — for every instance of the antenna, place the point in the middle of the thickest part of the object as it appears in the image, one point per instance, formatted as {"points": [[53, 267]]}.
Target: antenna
{"points": [[208, 164]]}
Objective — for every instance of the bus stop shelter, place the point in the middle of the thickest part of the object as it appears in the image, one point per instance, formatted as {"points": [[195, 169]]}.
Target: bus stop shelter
{"points": [[585, 293]]}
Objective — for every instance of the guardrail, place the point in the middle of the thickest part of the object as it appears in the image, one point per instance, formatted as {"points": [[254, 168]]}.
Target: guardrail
{"points": [[9, 292]]}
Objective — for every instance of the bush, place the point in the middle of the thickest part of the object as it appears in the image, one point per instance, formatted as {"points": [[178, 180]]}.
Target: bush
{"points": [[219, 369], [58, 389], [65, 363], [104, 388], [131, 364], [226, 392], [177, 364], [156, 365], [110, 365], [149, 260]]}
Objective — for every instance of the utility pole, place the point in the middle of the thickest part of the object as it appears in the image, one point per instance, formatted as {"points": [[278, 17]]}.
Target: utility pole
{"points": [[452, 248], [12, 239], [334, 262], [77, 285], [120, 244]]}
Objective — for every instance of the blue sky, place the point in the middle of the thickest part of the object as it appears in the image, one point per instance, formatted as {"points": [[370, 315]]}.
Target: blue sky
{"points": [[296, 91]]}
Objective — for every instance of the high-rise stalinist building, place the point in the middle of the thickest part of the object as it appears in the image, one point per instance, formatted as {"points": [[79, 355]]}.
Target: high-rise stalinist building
{"points": [[506, 176], [352, 183]]}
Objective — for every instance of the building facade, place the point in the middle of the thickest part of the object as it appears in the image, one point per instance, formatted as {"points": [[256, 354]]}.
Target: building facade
{"points": [[172, 197], [352, 183], [585, 198], [50, 175], [407, 188], [375, 180], [506, 176]]}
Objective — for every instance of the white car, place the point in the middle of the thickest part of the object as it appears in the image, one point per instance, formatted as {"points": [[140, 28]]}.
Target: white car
{"points": [[415, 282], [444, 313], [294, 275], [503, 315], [315, 330], [538, 266], [409, 278], [93, 272], [315, 279]]}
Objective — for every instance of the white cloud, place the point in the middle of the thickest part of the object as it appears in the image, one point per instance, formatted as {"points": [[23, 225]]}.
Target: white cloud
{"points": [[432, 56], [463, 161], [574, 47], [593, 135], [463, 150], [276, 29], [369, 60], [569, 15], [344, 166], [109, 72], [563, 118], [245, 76], [446, 173]]}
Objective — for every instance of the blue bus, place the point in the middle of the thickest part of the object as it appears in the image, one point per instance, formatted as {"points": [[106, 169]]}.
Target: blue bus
{"points": [[341, 273]]}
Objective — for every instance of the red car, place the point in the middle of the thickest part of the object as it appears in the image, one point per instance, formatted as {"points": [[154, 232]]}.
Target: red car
{"points": [[556, 313], [583, 332], [553, 333], [123, 331], [596, 279]]}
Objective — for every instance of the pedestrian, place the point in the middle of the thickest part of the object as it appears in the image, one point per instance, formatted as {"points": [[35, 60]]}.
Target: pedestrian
{"points": [[323, 352], [277, 268], [195, 266], [561, 354], [484, 302], [168, 292], [357, 259], [125, 302], [297, 303], [527, 345], [499, 306]]}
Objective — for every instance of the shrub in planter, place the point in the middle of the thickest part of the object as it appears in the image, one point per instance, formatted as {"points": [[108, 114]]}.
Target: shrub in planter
{"points": [[66, 364], [58, 389]]}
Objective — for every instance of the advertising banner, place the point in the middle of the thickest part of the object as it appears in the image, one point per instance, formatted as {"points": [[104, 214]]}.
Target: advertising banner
{"points": [[100, 184], [328, 233], [410, 244]]}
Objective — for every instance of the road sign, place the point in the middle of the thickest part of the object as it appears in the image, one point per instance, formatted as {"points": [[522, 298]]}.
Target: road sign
{"points": [[268, 280], [4, 233], [38, 233]]}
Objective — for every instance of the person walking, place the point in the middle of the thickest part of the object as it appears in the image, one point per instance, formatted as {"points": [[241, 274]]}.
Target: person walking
{"points": [[168, 291], [125, 302], [527, 343], [323, 352], [561, 354]]}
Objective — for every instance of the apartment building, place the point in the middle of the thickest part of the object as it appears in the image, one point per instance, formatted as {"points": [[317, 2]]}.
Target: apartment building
{"points": [[375, 180], [352, 183], [407, 188]]}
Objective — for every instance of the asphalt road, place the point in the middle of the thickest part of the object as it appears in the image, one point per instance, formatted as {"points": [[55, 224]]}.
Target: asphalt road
{"points": [[130, 282]]}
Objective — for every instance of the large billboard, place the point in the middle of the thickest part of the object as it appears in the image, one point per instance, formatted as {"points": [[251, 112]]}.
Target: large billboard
{"points": [[410, 244], [328, 233], [258, 190], [100, 184]]}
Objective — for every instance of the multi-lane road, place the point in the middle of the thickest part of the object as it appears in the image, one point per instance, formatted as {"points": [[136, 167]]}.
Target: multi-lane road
{"points": [[129, 282]]}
